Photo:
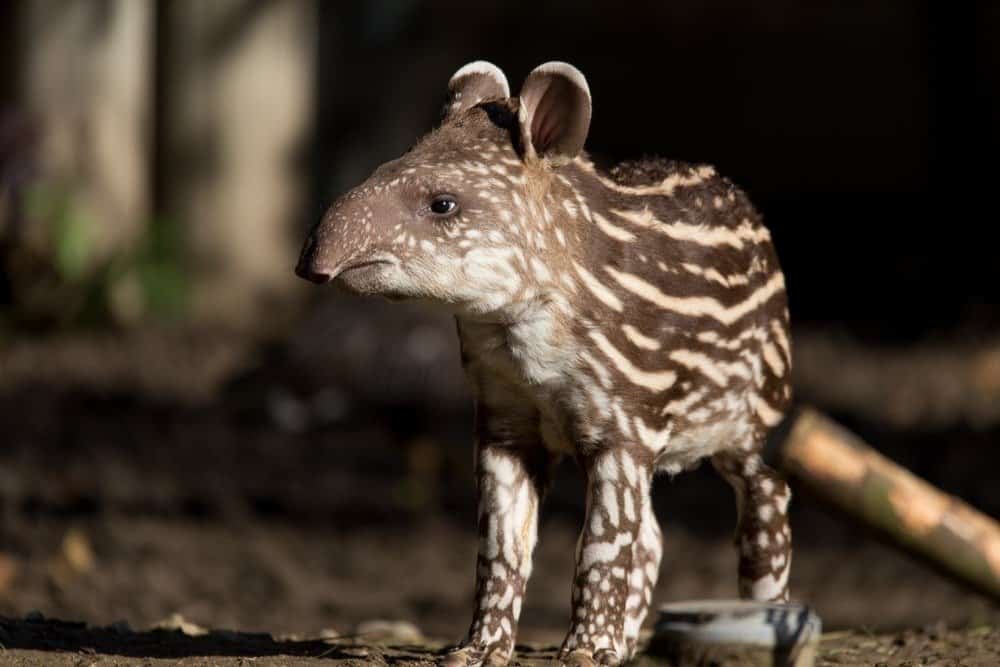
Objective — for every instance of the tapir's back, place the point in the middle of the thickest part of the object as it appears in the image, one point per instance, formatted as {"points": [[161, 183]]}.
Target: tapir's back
{"points": [[684, 282]]}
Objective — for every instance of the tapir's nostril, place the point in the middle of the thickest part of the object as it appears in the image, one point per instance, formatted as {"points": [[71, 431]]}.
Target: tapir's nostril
{"points": [[306, 269]]}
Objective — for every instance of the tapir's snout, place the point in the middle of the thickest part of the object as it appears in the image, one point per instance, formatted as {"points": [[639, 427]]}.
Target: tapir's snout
{"points": [[348, 246]]}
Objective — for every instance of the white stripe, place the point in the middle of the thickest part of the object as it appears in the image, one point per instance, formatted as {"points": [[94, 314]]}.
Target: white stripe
{"points": [[615, 232], [665, 187], [713, 275], [698, 306], [652, 380], [638, 339], [779, 335], [701, 363], [682, 405], [597, 288], [603, 376], [621, 419], [701, 234], [767, 414], [773, 359], [651, 438]]}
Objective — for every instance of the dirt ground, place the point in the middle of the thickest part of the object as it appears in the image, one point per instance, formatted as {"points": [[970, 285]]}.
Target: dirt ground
{"points": [[146, 478], [39, 641]]}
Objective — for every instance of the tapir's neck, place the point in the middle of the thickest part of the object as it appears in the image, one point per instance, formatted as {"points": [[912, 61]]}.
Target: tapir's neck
{"points": [[530, 343]]}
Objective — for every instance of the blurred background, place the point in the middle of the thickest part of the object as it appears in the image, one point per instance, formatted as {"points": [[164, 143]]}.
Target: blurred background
{"points": [[185, 428]]}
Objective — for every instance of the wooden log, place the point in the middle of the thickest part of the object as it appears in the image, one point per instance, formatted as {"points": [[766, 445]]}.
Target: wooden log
{"points": [[837, 466]]}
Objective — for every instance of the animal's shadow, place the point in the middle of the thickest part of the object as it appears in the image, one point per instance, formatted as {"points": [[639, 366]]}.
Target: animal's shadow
{"points": [[73, 637]]}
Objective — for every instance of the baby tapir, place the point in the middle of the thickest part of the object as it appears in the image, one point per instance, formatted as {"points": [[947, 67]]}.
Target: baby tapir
{"points": [[634, 319]]}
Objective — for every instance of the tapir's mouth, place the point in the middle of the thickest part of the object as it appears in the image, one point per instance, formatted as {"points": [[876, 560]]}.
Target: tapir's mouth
{"points": [[366, 277], [362, 265]]}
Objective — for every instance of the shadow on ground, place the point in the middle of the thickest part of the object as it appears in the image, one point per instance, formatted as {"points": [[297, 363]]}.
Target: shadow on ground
{"points": [[65, 639]]}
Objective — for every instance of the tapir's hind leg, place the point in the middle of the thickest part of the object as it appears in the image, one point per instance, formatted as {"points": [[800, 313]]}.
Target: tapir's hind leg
{"points": [[763, 536]]}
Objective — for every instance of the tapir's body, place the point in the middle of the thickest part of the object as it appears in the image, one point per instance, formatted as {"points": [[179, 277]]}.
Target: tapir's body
{"points": [[634, 320]]}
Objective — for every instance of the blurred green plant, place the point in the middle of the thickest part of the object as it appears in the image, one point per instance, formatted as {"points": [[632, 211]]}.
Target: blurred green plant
{"points": [[58, 280]]}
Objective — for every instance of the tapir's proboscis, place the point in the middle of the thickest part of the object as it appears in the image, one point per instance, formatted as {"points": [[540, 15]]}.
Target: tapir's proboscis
{"points": [[634, 319]]}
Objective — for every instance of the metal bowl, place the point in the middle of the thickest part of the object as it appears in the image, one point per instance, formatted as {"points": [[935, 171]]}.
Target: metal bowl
{"points": [[736, 632]]}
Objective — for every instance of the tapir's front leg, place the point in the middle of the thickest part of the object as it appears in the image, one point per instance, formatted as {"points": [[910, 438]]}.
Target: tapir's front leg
{"points": [[619, 540], [511, 473]]}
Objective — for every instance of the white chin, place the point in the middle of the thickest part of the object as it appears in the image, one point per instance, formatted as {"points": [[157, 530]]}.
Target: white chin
{"points": [[374, 280]]}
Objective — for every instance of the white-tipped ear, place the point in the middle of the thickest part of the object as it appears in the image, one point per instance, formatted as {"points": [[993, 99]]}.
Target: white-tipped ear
{"points": [[474, 83], [555, 112]]}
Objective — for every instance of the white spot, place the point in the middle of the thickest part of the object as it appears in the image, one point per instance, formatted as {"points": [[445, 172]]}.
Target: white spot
{"points": [[770, 587], [603, 552], [609, 501], [597, 525], [629, 506]]}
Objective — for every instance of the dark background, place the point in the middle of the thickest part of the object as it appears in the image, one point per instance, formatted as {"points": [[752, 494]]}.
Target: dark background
{"points": [[304, 461]]}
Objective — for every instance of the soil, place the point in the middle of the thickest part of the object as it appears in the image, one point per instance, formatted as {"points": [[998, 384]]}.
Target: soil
{"points": [[39, 641], [207, 476]]}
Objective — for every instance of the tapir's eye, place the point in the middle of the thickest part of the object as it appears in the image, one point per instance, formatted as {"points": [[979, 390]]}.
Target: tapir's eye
{"points": [[443, 205]]}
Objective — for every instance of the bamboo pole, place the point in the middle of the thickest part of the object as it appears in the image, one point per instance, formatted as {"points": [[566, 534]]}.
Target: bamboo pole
{"points": [[836, 465]]}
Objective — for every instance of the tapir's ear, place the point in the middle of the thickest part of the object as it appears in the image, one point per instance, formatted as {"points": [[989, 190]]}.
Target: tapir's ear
{"points": [[474, 83], [554, 113]]}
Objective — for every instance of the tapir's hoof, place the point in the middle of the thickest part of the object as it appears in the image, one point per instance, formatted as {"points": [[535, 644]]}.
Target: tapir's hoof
{"points": [[577, 658], [607, 657], [463, 657], [496, 660], [583, 658]]}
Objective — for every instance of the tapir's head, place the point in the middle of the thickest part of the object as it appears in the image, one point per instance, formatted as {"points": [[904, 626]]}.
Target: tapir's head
{"points": [[463, 218]]}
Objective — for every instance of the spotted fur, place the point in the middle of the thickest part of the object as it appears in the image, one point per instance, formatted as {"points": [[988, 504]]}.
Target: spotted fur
{"points": [[633, 319]]}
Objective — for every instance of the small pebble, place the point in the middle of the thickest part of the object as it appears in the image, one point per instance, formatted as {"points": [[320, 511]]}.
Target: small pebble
{"points": [[177, 622], [397, 632]]}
